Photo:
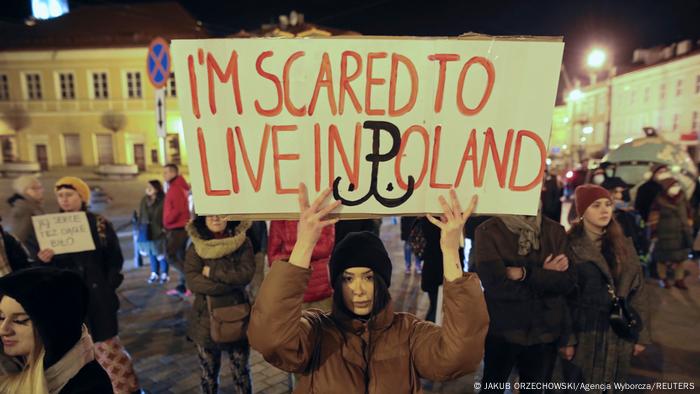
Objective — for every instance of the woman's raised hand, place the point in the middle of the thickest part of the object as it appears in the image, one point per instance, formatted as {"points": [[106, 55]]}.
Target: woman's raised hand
{"points": [[451, 223], [312, 220]]}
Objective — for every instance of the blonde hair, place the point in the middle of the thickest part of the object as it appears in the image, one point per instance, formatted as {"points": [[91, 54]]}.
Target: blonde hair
{"points": [[31, 379], [22, 183]]}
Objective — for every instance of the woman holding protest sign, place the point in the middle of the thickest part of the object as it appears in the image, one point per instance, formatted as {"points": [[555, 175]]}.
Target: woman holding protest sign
{"points": [[218, 266], [597, 348], [101, 271], [362, 345], [41, 322]]}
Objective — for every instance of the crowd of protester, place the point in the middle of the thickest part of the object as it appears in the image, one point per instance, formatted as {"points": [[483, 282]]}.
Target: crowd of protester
{"points": [[539, 303]]}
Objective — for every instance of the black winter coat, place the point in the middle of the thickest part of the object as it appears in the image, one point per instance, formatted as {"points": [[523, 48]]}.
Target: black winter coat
{"points": [[91, 379], [531, 311], [101, 271], [646, 194], [15, 252], [433, 272]]}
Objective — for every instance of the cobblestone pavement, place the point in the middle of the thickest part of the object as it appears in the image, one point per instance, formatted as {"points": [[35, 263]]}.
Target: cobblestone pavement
{"points": [[153, 325]]}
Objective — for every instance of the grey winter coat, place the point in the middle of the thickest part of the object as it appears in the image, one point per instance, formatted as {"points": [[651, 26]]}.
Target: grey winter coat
{"points": [[600, 355], [231, 268]]}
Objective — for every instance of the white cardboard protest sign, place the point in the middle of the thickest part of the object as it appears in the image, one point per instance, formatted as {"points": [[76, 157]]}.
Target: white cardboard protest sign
{"points": [[67, 232], [389, 123]]}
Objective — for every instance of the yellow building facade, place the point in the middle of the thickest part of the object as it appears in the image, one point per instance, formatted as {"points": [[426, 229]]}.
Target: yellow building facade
{"points": [[66, 96]]}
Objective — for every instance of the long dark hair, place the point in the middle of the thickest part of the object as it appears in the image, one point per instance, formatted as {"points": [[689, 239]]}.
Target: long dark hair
{"points": [[155, 184], [200, 224], [613, 244]]}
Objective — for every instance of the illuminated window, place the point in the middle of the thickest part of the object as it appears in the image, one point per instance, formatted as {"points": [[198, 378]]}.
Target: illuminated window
{"points": [[695, 121], [676, 117], [697, 84], [662, 91], [4, 88], [67, 84], [170, 88], [133, 84], [33, 86], [99, 85], [679, 87]]}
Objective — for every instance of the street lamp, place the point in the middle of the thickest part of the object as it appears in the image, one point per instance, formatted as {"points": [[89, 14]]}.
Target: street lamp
{"points": [[597, 60], [573, 98]]}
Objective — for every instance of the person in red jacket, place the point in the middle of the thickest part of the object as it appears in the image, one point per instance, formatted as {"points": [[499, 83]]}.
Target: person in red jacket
{"points": [[176, 215], [281, 240]]}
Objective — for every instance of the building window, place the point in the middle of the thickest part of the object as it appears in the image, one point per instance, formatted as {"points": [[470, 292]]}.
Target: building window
{"points": [[170, 88], [99, 85], [133, 84], [679, 87], [662, 91], [697, 84], [4, 88], [647, 92], [675, 122], [695, 121], [33, 86], [67, 81]]}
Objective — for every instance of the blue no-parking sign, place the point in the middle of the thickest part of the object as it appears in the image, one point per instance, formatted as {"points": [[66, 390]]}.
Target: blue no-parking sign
{"points": [[158, 62]]}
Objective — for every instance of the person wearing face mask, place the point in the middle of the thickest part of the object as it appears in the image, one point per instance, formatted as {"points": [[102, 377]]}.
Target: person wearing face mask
{"points": [[219, 264], [670, 227], [599, 176], [26, 202], [605, 263], [362, 345], [647, 192], [100, 270], [41, 322]]}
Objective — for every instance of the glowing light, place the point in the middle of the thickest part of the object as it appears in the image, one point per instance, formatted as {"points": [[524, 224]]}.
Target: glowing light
{"points": [[575, 95], [596, 58], [583, 139], [565, 146], [549, 161], [587, 130], [628, 140], [566, 119], [569, 174]]}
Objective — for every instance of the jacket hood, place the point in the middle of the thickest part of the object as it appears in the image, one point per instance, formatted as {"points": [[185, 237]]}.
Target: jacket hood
{"points": [[179, 182], [216, 248]]}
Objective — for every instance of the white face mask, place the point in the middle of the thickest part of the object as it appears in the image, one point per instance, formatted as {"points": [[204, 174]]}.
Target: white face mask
{"points": [[598, 179], [674, 190]]}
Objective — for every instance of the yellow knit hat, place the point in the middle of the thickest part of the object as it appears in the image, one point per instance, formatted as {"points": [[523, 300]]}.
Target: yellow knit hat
{"points": [[78, 184]]}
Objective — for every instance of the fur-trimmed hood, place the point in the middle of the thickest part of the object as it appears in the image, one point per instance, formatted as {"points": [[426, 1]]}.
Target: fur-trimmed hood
{"points": [[217, 248]]}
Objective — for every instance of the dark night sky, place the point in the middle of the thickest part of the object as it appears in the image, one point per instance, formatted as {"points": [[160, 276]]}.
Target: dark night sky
{"points": [[618, 25]]}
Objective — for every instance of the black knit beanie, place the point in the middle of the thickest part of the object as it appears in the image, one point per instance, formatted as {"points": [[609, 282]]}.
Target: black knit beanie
{"points": [[361, 249], [56, 301]]}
